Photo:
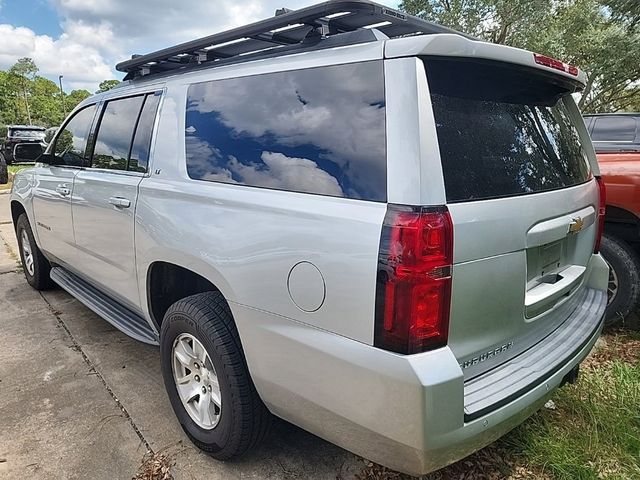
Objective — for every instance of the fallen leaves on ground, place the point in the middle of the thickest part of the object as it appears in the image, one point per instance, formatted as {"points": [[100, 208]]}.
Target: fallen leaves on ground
{"points": [[491, 463], [615, 345], [155, 467]]}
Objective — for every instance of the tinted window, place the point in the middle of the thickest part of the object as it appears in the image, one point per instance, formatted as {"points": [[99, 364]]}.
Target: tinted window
{"points": [[72, 141], [320, 130], [115, 131], [614, 129], [502, 131], [30, 134], [588, 123], [139, 157]]}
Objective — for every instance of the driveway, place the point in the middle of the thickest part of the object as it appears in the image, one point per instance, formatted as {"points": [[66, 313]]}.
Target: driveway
{"points": [[79, 399]]}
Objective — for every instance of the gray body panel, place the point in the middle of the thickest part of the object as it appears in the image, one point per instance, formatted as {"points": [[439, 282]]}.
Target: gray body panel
{"points": [[104, 231], [247, 241], [51, 200]]}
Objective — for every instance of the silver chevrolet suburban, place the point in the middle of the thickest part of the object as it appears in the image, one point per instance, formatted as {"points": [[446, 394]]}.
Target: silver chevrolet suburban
{"points": [[376, 228]]}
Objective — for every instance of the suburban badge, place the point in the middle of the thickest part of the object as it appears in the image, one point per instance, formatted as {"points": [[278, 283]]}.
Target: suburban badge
{"points": [[486, 355]]}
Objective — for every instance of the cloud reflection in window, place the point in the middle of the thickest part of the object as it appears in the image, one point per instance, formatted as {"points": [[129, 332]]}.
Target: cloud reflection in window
{"points": [[319, 130]]}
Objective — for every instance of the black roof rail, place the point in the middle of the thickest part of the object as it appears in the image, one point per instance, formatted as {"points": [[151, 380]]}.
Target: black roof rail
{"points": [[289, 28]]}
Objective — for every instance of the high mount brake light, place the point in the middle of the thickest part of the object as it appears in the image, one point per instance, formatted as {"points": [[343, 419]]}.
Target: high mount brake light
{"points": [[602, 207], [554, 63], [413, 294]]}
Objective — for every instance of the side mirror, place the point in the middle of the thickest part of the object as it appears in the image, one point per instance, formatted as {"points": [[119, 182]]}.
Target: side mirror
{"points": [[27, 152]]}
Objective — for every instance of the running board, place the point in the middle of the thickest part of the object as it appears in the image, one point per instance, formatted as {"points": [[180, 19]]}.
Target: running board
{"points": [[117, 315]]}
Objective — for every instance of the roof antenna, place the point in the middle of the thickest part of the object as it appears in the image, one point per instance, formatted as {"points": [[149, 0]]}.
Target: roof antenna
{"points": [[282, 11]]}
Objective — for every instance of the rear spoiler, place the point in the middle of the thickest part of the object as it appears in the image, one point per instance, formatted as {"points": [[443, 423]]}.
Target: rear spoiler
{"points": [[452, 45]]}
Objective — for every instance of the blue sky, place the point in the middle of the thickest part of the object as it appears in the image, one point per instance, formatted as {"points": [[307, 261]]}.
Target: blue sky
{"points": [[84, 39], [38, 15]]}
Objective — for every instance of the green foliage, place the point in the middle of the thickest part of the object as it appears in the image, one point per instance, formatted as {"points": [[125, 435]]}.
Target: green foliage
{"points": [[626, 12], [594, 432], [107, 85], [602, 37], [24, 68], [27, 98]]}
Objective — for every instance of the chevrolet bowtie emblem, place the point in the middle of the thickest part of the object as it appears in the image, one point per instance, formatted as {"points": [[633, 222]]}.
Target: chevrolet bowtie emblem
{"points": [[576, 225]]}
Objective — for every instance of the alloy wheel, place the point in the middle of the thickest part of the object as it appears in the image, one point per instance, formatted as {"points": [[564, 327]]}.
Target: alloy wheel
{"points": [[612, 286], [196, 381], [27, 253]]}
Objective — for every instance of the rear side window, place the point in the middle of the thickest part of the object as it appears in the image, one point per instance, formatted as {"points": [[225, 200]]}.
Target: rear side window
{"points": [[614, 129], [139, 158], [71, 142], [319, 130], [502, 131], [115, 131], [124, 133]]}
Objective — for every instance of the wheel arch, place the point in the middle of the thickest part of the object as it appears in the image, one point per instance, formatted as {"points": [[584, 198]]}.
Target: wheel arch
{"points": [[622, 223], [17, 209], [168, 281]]}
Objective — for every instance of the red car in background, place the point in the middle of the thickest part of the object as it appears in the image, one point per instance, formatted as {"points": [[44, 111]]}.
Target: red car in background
{"points": [[616, 138]]}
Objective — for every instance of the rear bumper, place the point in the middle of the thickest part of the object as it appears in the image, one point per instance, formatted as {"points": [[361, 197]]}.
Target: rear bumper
{"points": [[509, 381], [405, 412]]}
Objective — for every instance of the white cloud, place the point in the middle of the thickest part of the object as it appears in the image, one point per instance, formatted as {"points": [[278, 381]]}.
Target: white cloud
{"points": [[97, 34], [287, 173], [82, 66]]}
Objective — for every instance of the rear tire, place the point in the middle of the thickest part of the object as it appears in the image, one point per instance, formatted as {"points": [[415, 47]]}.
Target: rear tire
{"points": [[36, 267], [624, 278], [4, 171], [240, 420]]}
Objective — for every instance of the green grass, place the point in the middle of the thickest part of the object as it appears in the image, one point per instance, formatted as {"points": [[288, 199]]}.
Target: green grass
{"points": [[594, 432], [17, 168]]}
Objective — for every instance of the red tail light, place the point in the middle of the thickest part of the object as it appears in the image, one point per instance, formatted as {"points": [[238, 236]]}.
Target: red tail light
{"points": [[553, 63], [413, 293], [602, 207]]}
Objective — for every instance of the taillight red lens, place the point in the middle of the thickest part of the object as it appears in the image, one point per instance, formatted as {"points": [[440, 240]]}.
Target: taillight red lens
{"points": [[554, 63], [414, 279], [602, 208]]}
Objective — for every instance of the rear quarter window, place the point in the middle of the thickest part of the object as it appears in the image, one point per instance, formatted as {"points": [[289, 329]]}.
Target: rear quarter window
{"points": [[614, 129], [319, 130], [502, 131]]}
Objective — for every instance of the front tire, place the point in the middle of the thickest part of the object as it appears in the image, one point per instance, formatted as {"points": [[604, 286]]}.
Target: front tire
{"points": [[624, 278], [206, 377], [36, 267]]}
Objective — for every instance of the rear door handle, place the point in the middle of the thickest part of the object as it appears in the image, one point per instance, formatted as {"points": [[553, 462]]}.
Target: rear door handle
{"points": [[120, 202], [63, 190]]}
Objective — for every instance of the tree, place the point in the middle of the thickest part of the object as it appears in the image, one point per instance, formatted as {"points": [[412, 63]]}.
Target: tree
{"points": [[625, 11], [75, 97], [498, 21], [24, 71], [600, 36], [46, 102], [107, 85], [26, 97], [8, 105]]}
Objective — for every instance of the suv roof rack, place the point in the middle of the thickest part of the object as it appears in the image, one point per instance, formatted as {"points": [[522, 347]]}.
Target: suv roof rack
{"points": [[288, 30]]}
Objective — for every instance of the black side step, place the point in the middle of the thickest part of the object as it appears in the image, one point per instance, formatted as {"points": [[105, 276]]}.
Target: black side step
{"points": [[117, 315]]}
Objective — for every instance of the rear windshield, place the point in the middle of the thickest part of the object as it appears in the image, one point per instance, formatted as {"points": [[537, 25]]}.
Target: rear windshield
{"points": [[19, 133], [502, 131]]}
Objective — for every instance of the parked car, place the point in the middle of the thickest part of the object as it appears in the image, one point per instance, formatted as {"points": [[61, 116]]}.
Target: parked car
{"points": [[390, 240], [28, 138], [616, 138]]}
